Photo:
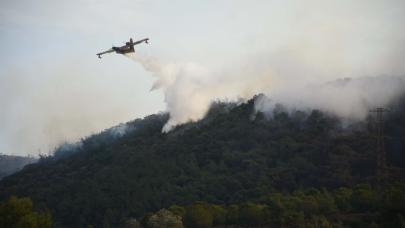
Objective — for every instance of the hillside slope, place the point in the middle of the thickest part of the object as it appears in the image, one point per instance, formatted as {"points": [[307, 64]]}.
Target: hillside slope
{"points": [[10, 164], [230, 156]]}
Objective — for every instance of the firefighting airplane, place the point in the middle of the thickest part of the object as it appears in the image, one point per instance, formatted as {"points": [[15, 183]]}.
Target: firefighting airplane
{"points": [[127, 48]]}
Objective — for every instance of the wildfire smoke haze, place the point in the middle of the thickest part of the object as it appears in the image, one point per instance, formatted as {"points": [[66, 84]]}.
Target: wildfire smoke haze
{"points": [[54, 89]]}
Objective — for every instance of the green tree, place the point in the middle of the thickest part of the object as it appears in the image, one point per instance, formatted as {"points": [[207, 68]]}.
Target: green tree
{"points": [[177, 210], [132, 223], [309, 205], [198, 216], [251, 214], [232, 214], [320, 222], [326, 203], [394, 198], [19, 212], [364, 198], [219, 215], [164, 219], [276, 208], [293, 218], [342, 198]]}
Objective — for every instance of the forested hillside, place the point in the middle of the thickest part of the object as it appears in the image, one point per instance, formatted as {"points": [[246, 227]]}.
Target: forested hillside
{"points": [[232, 156]]}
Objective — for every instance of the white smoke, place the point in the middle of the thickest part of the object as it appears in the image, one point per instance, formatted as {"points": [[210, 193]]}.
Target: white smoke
{"points": [[190, 88], [346, 98], [67, 148], [120, 130]]}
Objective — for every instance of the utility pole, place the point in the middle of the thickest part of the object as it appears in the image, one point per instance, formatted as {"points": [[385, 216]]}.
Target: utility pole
{"points": [[381, 155]]}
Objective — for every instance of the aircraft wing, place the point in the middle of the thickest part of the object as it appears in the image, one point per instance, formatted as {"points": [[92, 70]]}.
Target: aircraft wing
{"points": [[141, 41], [105, 52]]}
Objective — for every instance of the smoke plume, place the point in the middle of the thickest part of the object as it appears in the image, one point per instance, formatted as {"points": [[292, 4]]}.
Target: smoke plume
{"points": [[346, 98], [190, 89]]}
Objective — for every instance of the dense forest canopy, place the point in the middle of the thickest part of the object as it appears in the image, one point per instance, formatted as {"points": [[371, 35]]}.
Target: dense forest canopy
{"points": [[360, 206], [232, 156]]}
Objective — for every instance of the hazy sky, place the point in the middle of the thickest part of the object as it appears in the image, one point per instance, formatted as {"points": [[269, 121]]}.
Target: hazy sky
{"points": [[54, 88]]}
